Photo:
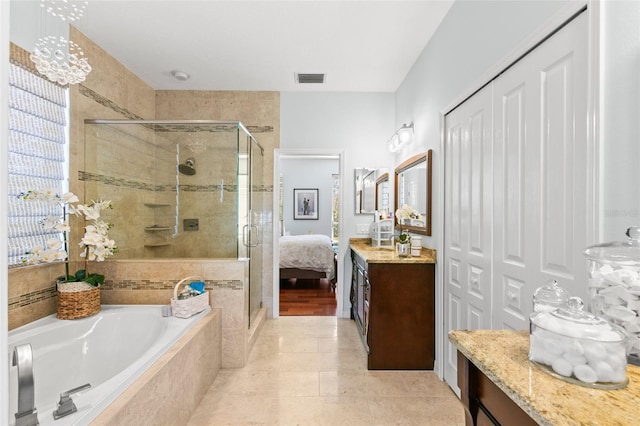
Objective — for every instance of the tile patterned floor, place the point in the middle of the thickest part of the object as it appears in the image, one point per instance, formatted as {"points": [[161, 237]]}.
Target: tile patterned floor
{"points": [[312, 371]]}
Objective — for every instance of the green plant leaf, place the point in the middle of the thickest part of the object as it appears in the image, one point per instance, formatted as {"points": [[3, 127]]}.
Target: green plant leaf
{"points": [[95, 279]]}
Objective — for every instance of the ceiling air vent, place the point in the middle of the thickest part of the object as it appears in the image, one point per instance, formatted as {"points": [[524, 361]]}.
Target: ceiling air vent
{"points": [[309, 78]]}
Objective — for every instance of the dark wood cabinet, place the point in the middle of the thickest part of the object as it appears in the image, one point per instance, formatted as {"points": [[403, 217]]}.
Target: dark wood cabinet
{"points": [[393, 306], [484, 402]]}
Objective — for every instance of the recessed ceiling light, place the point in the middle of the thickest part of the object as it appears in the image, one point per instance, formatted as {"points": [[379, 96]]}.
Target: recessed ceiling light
{"points": [[180, 75]]}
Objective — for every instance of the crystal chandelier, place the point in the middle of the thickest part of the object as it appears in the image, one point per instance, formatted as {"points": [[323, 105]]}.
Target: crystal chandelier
{"points": [[61, 60]]}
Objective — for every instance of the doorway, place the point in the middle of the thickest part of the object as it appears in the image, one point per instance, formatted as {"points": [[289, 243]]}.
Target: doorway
{"points": [[320, 174]]}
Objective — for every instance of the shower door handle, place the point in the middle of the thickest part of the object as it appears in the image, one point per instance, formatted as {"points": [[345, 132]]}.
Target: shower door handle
{"points": [[244, 236], [257, 236]]}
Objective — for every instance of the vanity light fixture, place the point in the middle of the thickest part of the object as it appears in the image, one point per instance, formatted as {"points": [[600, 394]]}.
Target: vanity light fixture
{"points": [[403, 136], [405, 133]]}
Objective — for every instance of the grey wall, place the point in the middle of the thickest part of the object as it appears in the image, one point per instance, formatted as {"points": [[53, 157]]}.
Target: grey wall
{"points": [[473, 38], [355, 124], [308, 173]]}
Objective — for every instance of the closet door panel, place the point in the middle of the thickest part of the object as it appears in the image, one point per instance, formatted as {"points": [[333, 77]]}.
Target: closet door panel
{"points": [[468, 250], [561, 168], [516, 193], [540, 176]]}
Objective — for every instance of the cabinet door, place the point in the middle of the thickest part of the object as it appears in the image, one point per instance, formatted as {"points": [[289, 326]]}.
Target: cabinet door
{"points": [[360, 297], [366, 295], [354, 287]]}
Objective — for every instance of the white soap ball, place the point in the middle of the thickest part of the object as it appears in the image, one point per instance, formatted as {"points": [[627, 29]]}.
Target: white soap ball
{"points": [[604, 371], [594, 351], [575, 348], [619, 375], [562, 367], [616, 361], [536, 349], [585, 373], [553, 346], [574, 359]]}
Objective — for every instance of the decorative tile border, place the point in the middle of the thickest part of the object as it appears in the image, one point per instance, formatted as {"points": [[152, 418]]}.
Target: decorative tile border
{"points": [[84, 90], [127, 183], [51, 292], [213, 128], [32, 297], [167, 285]]}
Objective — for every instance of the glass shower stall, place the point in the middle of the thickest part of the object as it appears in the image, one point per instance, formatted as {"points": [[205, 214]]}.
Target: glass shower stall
{"points": [[190, 189]]}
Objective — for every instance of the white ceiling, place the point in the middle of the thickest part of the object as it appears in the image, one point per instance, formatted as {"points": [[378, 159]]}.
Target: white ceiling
{"points": [[362, 46]]}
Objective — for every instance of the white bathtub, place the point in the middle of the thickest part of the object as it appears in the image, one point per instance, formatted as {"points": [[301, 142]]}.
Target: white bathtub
{"points": [[109, 350]]}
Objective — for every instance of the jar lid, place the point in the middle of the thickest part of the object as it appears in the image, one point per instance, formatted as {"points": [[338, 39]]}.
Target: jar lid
{"points": [[575, 322], [551, 294], [626, 252]]}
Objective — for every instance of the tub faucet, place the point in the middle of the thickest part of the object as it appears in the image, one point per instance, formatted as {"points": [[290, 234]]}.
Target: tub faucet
{"points": [[27, 414]]}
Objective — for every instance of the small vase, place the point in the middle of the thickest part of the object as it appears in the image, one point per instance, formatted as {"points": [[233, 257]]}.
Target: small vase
{"points": [[77, 300], [403, 249]]}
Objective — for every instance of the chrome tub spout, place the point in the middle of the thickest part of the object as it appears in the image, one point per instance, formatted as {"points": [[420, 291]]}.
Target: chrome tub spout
{"points": [[27, 414]]}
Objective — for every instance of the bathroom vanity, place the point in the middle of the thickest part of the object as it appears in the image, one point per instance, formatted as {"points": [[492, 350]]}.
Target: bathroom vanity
{"points": [[498, 385], [392, 303]]}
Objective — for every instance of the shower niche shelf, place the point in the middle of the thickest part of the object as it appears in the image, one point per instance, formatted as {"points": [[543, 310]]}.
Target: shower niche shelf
{"points": [[155, 205], [155, 228], [157, 245]]}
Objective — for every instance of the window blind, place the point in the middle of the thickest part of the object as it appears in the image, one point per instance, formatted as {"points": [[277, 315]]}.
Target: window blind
{"points": [[36, 145]]}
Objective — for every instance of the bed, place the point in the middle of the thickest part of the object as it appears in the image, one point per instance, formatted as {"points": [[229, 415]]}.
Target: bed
{"points": [[307, 257]]}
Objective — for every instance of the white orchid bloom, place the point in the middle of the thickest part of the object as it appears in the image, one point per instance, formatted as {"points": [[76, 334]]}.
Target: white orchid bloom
{"points": [[54, 244], [69, 197]]}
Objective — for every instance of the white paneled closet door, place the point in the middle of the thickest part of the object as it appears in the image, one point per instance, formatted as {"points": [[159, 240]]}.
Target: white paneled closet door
{"points": [[515, 189], [540, 145], [468, 219]]}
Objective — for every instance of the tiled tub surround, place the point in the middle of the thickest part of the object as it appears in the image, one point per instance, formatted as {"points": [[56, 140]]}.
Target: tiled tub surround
{"points": [[151, 281], [124, 340], [171, 389], [32, 293]]}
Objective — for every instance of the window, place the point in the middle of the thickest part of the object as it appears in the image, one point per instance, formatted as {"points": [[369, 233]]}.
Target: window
{"points": [[37, 142]]}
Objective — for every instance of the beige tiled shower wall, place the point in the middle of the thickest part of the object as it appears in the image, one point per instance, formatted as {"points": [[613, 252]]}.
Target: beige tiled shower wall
{"points": [[260, 113], [111, 91]]}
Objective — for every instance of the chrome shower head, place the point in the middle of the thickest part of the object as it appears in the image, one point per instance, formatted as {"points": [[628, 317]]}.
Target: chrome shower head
{"points": [[187, 168]]}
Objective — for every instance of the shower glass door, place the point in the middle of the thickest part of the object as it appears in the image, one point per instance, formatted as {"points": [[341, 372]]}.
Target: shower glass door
{"points": [[251, 218]]}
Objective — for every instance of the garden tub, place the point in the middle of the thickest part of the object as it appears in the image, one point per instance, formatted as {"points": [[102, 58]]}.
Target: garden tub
{"points": [[109, 350]]}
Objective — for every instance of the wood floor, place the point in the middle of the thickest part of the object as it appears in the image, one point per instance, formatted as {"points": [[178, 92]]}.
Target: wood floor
{"points": [[312, 297]]}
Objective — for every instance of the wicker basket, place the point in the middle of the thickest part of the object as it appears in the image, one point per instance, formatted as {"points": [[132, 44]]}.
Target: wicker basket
{"points": [[185, 308], [77, 300]]}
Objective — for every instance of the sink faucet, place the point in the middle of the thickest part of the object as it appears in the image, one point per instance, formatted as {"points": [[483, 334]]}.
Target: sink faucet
{"points": [[27, 414]]}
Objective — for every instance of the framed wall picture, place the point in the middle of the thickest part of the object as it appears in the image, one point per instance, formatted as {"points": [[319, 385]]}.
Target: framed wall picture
{"points": [[305, 204]]}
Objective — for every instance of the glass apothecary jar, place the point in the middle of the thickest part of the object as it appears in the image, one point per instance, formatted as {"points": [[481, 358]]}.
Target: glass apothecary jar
{"points": [[549, 297], [579, 347], [614, 286]]}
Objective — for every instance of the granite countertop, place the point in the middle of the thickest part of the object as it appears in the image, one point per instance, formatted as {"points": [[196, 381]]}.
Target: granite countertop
{"points": [[370, 254], [502, 355]]}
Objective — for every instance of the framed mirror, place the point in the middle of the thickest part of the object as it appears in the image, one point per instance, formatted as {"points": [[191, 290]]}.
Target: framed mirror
{"points": [[383, 204], [365, 190], [413, 194]]}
